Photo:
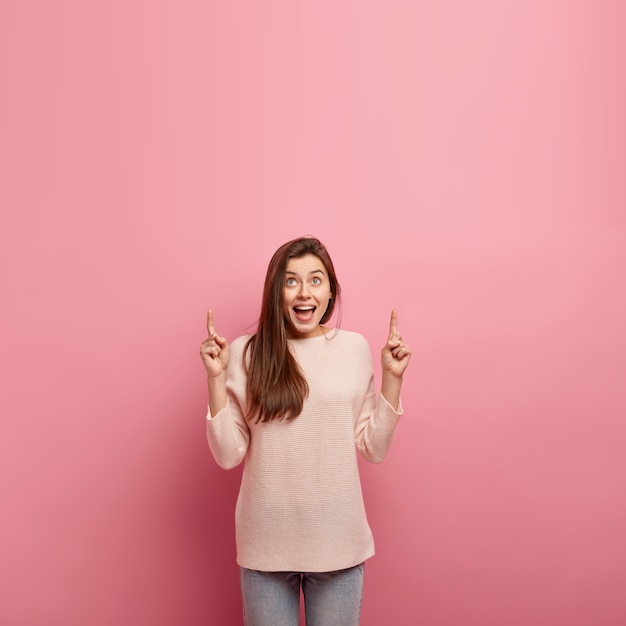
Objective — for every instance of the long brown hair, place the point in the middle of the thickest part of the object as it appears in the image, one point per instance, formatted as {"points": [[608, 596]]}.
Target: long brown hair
{"points": [[276, 386]]}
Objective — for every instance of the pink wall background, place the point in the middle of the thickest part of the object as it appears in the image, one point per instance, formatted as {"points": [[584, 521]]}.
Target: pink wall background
{"points": [[463, 162]]}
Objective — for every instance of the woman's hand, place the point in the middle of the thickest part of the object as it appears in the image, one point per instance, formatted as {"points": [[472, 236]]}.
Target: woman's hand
{"points": [[395, 355], [214, 350]]}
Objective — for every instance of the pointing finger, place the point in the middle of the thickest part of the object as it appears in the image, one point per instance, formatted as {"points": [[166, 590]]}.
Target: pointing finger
{"points": [[393, 324], [209, 324]]}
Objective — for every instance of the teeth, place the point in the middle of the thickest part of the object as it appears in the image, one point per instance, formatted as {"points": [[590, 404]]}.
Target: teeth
{"points": [[303, 308]]}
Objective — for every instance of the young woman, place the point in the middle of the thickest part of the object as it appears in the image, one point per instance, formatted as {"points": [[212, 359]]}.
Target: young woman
{"points": [[296, 400]]}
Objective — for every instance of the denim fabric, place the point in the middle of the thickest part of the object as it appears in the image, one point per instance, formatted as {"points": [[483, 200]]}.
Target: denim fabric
{"points": [[330, 598]]}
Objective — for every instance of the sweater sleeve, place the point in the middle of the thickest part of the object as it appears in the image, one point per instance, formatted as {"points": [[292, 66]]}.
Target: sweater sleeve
{"points": [[227, 431], [376, 424]]}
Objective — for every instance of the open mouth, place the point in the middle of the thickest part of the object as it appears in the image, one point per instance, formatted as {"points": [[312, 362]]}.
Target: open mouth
{"points": [[304, 313]]}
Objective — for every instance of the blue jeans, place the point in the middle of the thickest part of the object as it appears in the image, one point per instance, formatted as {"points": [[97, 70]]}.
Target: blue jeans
{"points": [[330, 598]]}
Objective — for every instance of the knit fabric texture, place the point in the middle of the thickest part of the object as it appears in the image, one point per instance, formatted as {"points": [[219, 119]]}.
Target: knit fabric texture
{"points": [[300, 505]]}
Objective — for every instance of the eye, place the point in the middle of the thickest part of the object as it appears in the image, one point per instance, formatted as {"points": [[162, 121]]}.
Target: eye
{"points": [[290, 282], [317, 281]]}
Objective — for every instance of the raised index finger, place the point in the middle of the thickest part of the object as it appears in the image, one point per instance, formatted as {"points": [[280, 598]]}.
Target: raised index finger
{"points": [[393, 324], [209, 323]]}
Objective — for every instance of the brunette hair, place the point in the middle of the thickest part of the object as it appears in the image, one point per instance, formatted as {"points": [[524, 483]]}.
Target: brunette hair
{"points": [[276, 387]]}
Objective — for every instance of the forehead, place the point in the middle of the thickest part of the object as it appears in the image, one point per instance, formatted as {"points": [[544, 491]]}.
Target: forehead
{"points": [[305, 265]]}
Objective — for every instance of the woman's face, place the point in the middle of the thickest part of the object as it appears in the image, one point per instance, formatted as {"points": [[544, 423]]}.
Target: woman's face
{"points": [[306, 294]]}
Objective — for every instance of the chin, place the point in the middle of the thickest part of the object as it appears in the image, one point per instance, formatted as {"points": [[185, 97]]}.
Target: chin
{"points": [[309, 329]]}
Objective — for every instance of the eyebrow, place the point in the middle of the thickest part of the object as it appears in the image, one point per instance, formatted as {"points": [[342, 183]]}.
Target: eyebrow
{"points": [[311, 272]]}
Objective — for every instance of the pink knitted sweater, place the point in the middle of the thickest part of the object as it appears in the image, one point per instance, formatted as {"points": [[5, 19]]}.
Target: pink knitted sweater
{"points": [[300, 506]]}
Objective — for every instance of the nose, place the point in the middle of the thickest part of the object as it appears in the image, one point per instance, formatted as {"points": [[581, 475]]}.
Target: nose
{"points": [[304, 290]]}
